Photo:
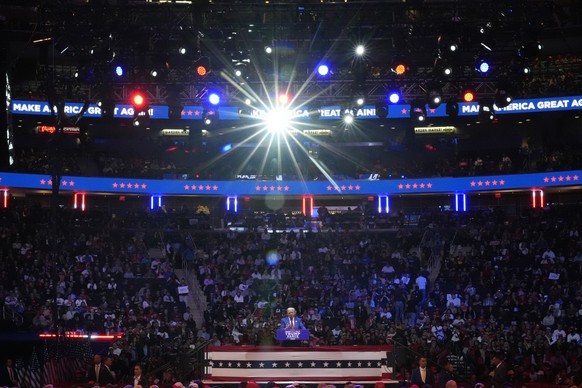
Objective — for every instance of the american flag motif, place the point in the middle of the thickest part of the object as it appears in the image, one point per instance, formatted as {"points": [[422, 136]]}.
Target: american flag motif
{"points": [[362, 363]]}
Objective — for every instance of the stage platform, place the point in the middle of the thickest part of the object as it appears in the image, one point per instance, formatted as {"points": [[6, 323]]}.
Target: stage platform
{"points": [[309, 365], [283, 384]]}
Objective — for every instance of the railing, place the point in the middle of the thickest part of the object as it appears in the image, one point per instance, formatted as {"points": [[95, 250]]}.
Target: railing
{"points": [[13, 316], [189, 365]]}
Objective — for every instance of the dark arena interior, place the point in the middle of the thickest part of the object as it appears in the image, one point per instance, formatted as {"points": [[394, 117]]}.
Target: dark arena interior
{"points": [[290, 194]]}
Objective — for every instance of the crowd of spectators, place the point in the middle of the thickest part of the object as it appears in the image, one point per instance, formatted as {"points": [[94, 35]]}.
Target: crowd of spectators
{"points": [[101, 279], [482, 283], [183, 162]]}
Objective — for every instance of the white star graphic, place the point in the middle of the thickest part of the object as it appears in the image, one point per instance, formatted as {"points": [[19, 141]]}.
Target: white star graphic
{"points": [[300, 365], [359, 364], [274, 365], [325, 364], [287, 364], [349, 364], [229, 364], [248, 364], [338, 364], [220, 364], [313, 365], [379, 364], [211, 363], [262, 365], [238, 364], [369, 363]]}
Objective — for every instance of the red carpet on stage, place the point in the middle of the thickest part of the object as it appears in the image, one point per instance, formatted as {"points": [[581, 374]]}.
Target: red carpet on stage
{"points": [[325, 363]]}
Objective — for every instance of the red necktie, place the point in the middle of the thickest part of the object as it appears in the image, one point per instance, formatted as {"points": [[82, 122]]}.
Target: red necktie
{"points": [[292, 325]]}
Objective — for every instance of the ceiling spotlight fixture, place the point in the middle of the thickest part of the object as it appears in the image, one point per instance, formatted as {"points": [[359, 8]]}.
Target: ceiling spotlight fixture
{"points": [[394, 96], [360, 50], [268, 49], [399, 69], [323, 70], [119, 71], [453, 47], [209, 117], [452, 108], [447, 71], [502, 97], [348, 117], [434, 98], [214, 98], [486, 111], [418, 111], [154, 73], [381, 110], [483, 66], [182, 50], [468, 95]]}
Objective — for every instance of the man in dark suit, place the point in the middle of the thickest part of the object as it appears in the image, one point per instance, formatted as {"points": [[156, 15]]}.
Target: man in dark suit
{"points": [[499, 374], [96, 370], [107, 375], [291, 322], [422, 376], [138, 380], [446, 374], [8, 376]]}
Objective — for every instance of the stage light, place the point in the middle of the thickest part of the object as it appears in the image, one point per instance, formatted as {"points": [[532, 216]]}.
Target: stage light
{"points": [[502, 98], [283, 99], [138, 100], [107, 108], [434, 98], [214, 98], [399, 69], [452, 107], [201, 70], [209, 117], [483, 67], [468, 96], [447, 71], [323, 70], [453, 47], [418, 111], [240, 70], [394, 96], [360, 50], [381, 110], [268, 49], [154, 73], [348, 117], [225, 148], [182, 50], [486, 111], [360, 100], [119, 71], [278, 120]]}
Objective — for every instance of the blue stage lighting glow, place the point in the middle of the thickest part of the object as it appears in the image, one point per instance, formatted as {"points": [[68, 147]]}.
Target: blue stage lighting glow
{"points": [[214, 98], [119, 71], [484, 67], [394, 97], [323, 70]]}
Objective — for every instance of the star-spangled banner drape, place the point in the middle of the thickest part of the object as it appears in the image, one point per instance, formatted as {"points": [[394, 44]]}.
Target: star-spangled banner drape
{"points": [[355, 363]]}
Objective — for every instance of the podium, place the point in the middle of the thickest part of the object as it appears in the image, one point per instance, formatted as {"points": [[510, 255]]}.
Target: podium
{"points": [[292, 335]]}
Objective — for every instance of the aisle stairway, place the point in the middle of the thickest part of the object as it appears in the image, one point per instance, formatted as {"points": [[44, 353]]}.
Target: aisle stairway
{"points": [[195, 299]]}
